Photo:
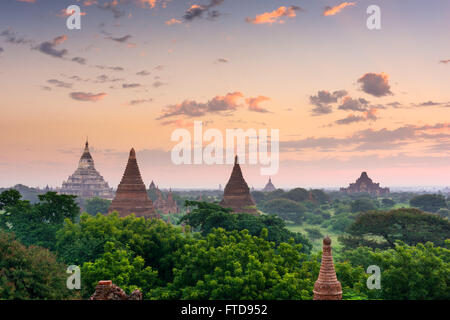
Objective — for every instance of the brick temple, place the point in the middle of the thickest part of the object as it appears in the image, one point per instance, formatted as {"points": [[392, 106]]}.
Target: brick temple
{"points": [[163, 204], [237, 193], [86, 181], [131, 195], [365, 185], [327, 286]]}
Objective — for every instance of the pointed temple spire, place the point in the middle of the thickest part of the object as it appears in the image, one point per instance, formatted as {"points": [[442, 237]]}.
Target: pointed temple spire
{"points": [[131, 195], [269, 186], [327, 286], [86, 181], [237, 194]]}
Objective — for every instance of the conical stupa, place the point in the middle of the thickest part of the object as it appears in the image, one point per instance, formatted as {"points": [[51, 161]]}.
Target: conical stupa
{"points": [[86, 181], [237, 194], [131, 195], [327, 286]]}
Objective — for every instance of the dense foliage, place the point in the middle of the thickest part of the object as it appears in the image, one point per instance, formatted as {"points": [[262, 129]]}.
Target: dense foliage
{"points": [[29, 273], [218, 254], [207, 216], [380, 229]]}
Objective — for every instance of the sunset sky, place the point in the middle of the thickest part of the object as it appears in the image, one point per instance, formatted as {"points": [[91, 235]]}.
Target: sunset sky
{"points": [[345, 99]]}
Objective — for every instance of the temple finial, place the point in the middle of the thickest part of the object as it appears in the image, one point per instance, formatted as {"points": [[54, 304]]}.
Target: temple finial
{"points": [[236, 160]]}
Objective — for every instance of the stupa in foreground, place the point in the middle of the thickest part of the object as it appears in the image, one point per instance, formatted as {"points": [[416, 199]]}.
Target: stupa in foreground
{"points": [[237, 193], [131, 195], [327, 286]]}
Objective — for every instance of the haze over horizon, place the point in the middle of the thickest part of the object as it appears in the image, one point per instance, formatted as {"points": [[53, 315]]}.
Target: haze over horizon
{"points": [[345, 99]]}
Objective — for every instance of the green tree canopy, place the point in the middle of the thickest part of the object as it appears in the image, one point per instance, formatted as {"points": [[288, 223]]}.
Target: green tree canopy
{"points": [[97, 205], [207, 216], [429, 202], [382, 229], [30, 272]]}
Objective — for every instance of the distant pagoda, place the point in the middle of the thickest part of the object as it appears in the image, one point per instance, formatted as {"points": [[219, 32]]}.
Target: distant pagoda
{"points": [[86, 181], [365, 185], [163, 204], [237, 194], [269, 186], [131, 195], [327, 286]]}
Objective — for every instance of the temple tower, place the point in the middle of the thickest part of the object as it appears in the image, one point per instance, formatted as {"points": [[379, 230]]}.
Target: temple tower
{"points": [[131, 195], [237, 194], [269, 186], [327, 286], [86, 181]]}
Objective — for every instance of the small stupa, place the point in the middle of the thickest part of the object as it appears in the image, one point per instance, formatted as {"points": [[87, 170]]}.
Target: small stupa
{"points": [[237, 193], [327, 286], [269, 186], [131, 195]]}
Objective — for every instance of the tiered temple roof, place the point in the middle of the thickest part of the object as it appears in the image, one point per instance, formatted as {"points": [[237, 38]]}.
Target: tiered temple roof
{"points": [[131, 195], [365, 185], [86, 181], [327, 286], [164, 204], [237, 194], [269, 186]]}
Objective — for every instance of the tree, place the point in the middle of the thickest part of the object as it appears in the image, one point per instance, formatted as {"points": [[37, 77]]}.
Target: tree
{"points": [[386, 202], [314, 233], [320, 196], [236, 265], [152, 239], [364, 204], [97, 205], [207, 216], [9, 197], [297, 194], [30, 272], [38, 223], [411, 226], [420, 272], [429, 202], [286, 209], [120, 266]]}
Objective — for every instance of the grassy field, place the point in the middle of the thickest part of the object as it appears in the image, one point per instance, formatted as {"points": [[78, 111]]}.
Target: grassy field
{"points": [[317, 243]]}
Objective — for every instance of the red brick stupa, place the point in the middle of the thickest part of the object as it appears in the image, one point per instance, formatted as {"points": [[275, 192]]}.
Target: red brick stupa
{"points": [[237, 194], [131, 196], [327, 286]]}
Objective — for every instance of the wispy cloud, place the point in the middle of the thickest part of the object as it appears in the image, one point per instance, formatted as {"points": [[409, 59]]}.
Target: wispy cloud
{"points": [[49, 47], [254, 104], [276, 16], [192, 108], [331, 11], [87, 96]]}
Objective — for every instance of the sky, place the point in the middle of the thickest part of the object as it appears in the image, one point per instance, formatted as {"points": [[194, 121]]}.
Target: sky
{"points": [[344, 98]]}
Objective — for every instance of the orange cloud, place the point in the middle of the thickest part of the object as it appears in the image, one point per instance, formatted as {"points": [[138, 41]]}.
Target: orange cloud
{"points": [[172, 21], [331, 11], [27, 1], [275, 16], [63, 13], [253, 103], [60, 39], [88, 3], [150, 3]]}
